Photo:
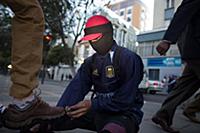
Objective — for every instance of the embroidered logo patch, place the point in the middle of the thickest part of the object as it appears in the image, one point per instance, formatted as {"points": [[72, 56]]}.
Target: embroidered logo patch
{"points": [[110, 73], [95, 72]]}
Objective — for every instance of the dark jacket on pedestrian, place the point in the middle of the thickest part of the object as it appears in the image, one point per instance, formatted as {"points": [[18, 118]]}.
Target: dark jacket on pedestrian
{"points": [[185, 29]]}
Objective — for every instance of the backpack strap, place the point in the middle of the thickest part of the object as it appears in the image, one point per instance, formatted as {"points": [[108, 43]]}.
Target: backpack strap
{"points": [[93, 63], [116, 60]]}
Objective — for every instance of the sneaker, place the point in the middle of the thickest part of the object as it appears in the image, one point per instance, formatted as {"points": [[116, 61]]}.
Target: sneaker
{"points": [[16, 118]]}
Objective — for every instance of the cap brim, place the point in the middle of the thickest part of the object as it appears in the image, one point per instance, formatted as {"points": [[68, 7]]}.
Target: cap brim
{"points": [[91, 37]]}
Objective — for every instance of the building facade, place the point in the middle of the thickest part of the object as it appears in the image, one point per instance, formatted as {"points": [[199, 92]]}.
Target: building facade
{"points": [[132, 11], [147, 41]]}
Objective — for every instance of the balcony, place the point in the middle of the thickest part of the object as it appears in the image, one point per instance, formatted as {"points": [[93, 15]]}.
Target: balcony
{"points": [[169, 13]]}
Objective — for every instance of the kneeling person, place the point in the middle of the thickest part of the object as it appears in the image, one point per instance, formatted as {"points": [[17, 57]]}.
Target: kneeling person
{"points": [[115, 74]]}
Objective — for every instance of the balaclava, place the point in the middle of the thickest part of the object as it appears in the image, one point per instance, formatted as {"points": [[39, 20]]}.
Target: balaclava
{"points": [[99, 28]]}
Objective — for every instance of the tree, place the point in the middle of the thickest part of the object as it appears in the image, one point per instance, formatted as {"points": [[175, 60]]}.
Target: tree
{"points": [[66, 18], [58, 54], [5, 38]]}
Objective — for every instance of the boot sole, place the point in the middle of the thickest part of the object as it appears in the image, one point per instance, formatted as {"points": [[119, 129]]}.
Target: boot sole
{"points": [[24, 123]]}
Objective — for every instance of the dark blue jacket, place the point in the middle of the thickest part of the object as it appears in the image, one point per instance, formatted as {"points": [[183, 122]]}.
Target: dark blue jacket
{"points": [[117, 94]]}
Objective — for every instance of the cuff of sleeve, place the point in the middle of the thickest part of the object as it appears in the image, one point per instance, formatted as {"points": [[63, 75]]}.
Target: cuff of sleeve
{"points": [[167, 41]]}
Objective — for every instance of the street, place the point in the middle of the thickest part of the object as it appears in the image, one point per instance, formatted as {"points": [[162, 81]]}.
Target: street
{"points": [[52, 90]]}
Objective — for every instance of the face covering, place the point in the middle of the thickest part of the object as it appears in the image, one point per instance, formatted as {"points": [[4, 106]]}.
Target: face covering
{"points": [[105, 43]]}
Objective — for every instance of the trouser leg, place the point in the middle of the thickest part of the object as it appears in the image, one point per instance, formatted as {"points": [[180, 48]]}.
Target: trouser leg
{"points": [[194, 105], [27, 44], [195, 65], [186, 86]]}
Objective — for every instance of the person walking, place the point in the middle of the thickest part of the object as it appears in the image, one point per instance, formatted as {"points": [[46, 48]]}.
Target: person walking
{"points": [[184, 29], [26, 60]]}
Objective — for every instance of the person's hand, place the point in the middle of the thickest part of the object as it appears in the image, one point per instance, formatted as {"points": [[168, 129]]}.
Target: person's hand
{"points": [[78, 109], [163, 47]]}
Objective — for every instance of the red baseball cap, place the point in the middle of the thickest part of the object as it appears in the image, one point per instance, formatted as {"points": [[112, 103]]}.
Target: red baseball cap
{"points": [[94, 21]]}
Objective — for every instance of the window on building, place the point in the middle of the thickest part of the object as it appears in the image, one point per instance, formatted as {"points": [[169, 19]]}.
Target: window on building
{"points": [[154, 74], [152, 50], [115, 27], [128, 18], [123, 35], [145, 50], [155, 53], [170, 3], [119, 38], [121, 13], [129, 11]]}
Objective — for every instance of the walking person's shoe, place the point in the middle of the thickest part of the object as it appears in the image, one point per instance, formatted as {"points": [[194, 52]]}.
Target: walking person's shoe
{"points": [[191, 116], [17, 118], [163, 124]]}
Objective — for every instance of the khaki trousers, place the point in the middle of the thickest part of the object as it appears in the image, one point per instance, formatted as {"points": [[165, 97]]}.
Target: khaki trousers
{"points": [[27, 45]]}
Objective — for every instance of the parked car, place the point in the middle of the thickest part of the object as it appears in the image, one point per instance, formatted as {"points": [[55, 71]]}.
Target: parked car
{"points": [[151, 86], [154, 86]]}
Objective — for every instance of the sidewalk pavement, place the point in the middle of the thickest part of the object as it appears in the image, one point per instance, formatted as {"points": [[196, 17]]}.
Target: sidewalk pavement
{"points": [[51, 91]]}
